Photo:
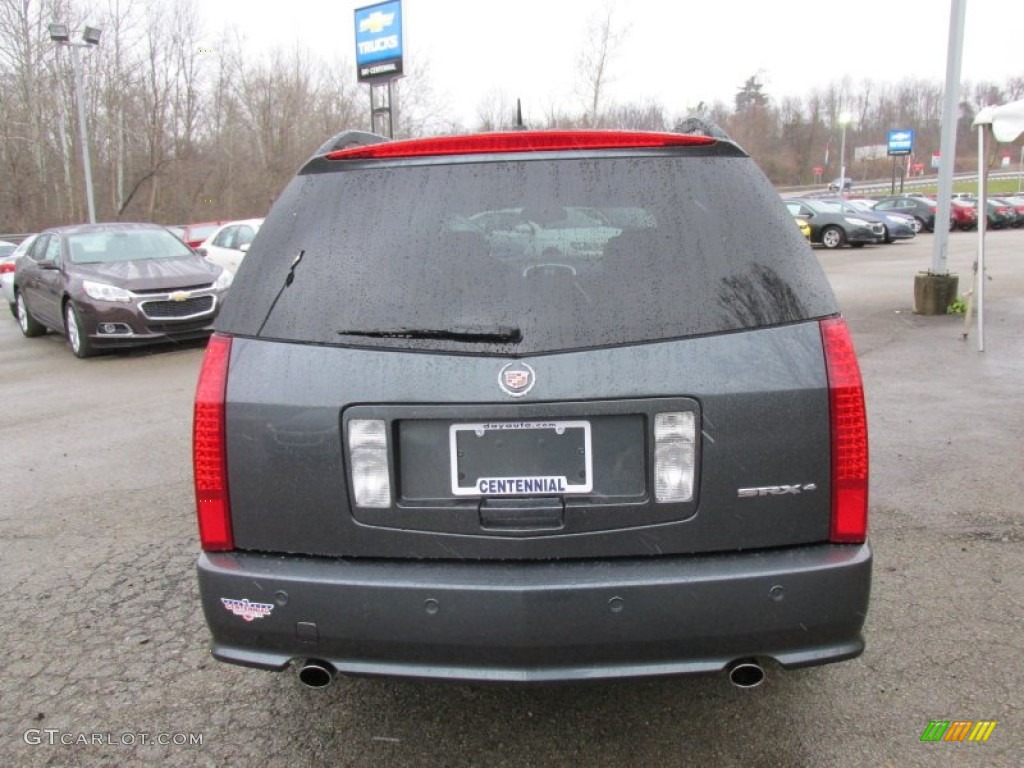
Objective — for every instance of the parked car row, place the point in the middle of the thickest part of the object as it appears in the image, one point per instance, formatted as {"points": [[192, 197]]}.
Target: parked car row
{"points": [[857, 221], [1001, 211], [924, 210]]}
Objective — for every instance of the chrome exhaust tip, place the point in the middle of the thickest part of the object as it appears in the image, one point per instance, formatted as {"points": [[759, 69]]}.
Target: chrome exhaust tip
{"points": [[746, 673], [316, 674]]}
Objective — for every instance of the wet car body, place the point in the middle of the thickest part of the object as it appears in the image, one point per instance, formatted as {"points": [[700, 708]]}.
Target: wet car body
{"points": [[110, 285], [420, 453]]}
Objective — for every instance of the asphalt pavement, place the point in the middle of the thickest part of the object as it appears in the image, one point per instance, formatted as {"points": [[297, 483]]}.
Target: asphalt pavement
{"points": [[105, 652]]}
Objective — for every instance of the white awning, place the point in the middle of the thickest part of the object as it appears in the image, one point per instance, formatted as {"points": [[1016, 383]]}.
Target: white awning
{"points": [[1007, 120]]}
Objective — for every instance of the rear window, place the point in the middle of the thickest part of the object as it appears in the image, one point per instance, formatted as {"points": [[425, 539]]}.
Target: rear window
{"points": [[525, 255]]}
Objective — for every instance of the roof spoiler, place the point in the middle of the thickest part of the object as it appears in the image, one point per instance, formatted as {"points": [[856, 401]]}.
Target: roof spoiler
{"points": [[349, 139], [700, 125]]}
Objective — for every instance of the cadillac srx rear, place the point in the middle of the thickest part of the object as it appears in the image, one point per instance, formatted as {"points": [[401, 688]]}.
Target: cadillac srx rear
{"points": [[531, 406]]}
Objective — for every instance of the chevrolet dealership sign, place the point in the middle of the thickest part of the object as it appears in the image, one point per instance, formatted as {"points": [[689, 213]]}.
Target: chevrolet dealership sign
{"points": [[901, 142], [379, 41]]}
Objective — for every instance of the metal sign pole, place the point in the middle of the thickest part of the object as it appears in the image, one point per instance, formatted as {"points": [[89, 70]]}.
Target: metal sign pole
{"points": [[982, 222], [947, 146], [381, 115]]}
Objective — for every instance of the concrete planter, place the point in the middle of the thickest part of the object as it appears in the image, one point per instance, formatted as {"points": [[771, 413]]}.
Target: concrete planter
{"points": [[933, 293]]}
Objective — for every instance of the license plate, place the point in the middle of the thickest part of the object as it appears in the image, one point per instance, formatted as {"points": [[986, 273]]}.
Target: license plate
{"points": [[521, 458]]}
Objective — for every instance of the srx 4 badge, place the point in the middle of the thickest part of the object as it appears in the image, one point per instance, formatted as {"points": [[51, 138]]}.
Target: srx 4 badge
{"points": [[776, 490]]}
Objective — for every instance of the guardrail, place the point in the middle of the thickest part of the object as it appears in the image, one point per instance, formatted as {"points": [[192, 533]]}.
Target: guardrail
{"points": [[910, 183]]}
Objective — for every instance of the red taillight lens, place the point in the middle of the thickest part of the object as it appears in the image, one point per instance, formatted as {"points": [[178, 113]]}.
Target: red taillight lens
{"points": [[209, 458], [849, 435], [521, 141], [6, 267]]}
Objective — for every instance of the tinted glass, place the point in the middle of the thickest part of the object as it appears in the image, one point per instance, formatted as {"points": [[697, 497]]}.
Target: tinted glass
{"points": [[699, 245], [120, 245]]}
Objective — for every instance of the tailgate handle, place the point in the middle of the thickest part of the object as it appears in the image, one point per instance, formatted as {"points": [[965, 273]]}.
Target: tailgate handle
{"points": [[522, 514]]}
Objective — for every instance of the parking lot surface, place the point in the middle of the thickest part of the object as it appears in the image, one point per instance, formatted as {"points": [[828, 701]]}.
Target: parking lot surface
{"points": [[106, 659]]}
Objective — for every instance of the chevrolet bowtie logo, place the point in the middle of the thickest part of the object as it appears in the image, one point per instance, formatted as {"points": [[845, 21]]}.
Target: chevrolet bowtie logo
{"points": [[179, 296], [376, 22]]}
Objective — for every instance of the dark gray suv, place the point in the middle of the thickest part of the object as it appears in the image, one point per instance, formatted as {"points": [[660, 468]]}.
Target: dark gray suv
{"points": [[531, 406]]}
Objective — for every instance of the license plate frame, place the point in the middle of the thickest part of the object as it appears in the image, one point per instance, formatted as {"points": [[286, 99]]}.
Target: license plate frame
{"points": [[524, 432]]}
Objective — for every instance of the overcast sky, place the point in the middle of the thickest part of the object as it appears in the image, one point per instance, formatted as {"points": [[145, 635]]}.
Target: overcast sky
{"points": [[674, 52]]}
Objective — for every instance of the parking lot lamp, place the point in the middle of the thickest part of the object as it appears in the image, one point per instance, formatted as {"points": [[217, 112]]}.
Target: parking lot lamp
{"points": [[90, 37], [844, 119]]}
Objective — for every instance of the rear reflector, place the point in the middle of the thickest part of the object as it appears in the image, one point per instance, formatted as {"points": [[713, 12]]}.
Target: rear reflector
{"points": [[209, 458], [520, 141], [674, 439], [849, 435], [368, 451]]}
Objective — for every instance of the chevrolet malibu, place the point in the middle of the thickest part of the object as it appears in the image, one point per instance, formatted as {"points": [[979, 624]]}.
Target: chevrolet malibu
{"points": [[423, 449], [116, 285]]}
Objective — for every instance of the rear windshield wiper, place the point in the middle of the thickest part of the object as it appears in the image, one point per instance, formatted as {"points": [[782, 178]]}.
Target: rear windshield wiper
{"points": [[469, 334]]}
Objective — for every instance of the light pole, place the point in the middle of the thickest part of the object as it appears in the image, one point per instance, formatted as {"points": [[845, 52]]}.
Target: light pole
{"points": [[90, 37], [844, 119]]}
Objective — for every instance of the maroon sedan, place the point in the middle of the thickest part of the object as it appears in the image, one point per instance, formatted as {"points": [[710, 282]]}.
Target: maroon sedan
{"points": [[106, 285]]}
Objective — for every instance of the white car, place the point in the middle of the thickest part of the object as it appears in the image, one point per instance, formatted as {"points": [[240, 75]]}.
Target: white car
{"points": [[7, 261], [227, 245]]}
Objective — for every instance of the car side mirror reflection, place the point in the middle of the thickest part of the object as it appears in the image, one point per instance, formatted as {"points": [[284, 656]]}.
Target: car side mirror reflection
{"points": [[244, 247]]}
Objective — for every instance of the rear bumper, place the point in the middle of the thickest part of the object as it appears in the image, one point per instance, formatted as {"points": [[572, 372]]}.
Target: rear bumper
{"points": [[538, 621]]}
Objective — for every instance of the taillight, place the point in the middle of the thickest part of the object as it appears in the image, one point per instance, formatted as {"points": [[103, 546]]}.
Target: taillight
{"points": [[521, 141], [6, 267], [849, 425], [209, 458]]}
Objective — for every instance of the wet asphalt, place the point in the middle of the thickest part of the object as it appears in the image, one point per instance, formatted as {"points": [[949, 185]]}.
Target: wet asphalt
{"points": [[105, 651]]}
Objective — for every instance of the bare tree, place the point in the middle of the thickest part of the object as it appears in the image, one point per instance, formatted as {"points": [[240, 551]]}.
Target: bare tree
{"points": [[495, 112], [604, 39]]}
